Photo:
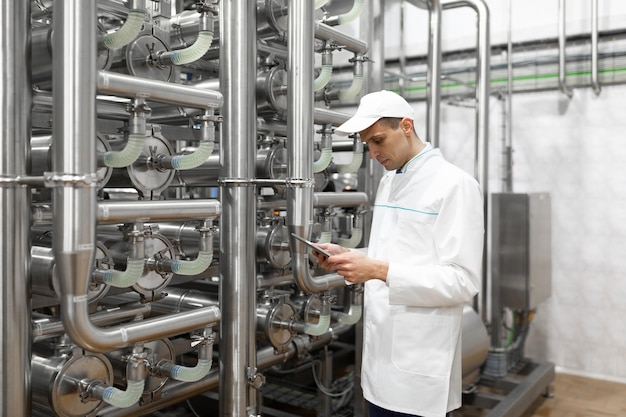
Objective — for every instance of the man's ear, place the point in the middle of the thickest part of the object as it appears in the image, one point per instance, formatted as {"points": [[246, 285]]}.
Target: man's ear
{"points": [[407, 125]]}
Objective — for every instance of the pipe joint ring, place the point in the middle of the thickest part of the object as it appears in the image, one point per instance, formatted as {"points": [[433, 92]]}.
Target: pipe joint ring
{"points": [[300, 182], [236, 182], [53, 179]]}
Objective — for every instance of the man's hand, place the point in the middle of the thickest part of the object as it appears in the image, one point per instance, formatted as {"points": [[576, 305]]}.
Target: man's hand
{"points": [[354, 266]]}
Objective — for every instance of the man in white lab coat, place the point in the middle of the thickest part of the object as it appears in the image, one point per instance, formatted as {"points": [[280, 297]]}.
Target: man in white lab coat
{"points": [[422, 265]]}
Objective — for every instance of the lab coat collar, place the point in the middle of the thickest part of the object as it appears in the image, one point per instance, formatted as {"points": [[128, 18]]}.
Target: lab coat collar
{"points": [[427, 149]]}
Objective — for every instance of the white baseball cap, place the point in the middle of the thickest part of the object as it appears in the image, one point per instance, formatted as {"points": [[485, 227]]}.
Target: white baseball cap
{"points": [[374, 106]]}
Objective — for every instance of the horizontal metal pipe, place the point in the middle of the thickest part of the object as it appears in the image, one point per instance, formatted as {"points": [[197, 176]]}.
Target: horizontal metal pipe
{"points": [[82, 331], [111, 212], [176, 391], [45, 328], [164, 92], [323, 200], [332, 117], [329, 33]]}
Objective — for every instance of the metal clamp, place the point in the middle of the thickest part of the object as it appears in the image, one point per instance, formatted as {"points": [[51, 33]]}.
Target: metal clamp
{"points": [[53, 179]]}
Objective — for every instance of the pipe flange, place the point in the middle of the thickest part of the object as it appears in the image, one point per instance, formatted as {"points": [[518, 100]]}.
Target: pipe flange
{"points": [[236, 182]]}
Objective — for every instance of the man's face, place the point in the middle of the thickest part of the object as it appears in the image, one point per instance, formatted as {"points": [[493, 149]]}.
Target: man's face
{"points": [[391, 147]]}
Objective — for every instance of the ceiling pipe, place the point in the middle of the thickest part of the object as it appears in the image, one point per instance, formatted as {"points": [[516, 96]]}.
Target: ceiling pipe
{"points": [[562, 55], [595, 83]]}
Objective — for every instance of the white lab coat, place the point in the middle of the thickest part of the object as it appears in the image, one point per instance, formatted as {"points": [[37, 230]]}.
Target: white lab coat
{"points": [[428, 224]]}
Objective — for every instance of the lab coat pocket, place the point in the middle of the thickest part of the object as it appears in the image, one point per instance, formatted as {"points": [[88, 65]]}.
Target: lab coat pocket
{"points": [[422, 344]]}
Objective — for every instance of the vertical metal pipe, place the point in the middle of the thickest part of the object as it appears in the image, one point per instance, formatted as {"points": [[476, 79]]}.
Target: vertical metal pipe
{"points": [[74, 159], [433, 76], [562, 54], [372, 30], [300, 129], [15, 103], [508, 120], [595, 83], [237, 237], [433, 73], [481, 162]]}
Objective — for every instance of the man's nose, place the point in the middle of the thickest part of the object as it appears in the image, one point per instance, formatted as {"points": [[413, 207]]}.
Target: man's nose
{"points": [[373, 153]]}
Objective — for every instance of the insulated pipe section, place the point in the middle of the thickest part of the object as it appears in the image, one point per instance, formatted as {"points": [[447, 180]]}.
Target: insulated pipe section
{"points": [[134, 266], [349, 16], [357, 159], [355, 309], [357, 233], [300, 130], [562, 54], [204, 151], [195, 267], [203, 366], [136, 374], [594, 48], [161, 91], [136, 137], [130, 29], [200, 47]]}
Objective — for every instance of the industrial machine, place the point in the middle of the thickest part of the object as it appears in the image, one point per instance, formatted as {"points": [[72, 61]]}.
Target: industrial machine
{"points": [[157, 155]]}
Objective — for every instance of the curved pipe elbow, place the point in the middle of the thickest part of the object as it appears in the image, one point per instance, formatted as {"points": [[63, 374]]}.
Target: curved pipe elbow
{"points": [[186, 373], [353, 166], [123, 279], [195, 267], [310, 284], [352, 316], [324, 160], [354, 240], [323, 78], [352, 14], [128, 155], [77, 325], [128, 32], [191, 54], [320, 328], [195, 159], [351, 92], [124, 399]]}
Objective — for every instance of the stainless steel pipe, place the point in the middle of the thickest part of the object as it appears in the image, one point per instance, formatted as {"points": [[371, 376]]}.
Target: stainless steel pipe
{"points": [[238, 222], [330, 33], [595, 83], [15, 103], [300, 146], [562, 52], [112, 212], [164, 92]]}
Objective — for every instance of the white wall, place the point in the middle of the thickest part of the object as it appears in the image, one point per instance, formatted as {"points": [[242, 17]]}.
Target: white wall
{"points": [[575, 150]]}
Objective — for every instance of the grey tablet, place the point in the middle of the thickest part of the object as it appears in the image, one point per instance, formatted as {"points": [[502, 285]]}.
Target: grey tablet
{"points": [[311, 245]]}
